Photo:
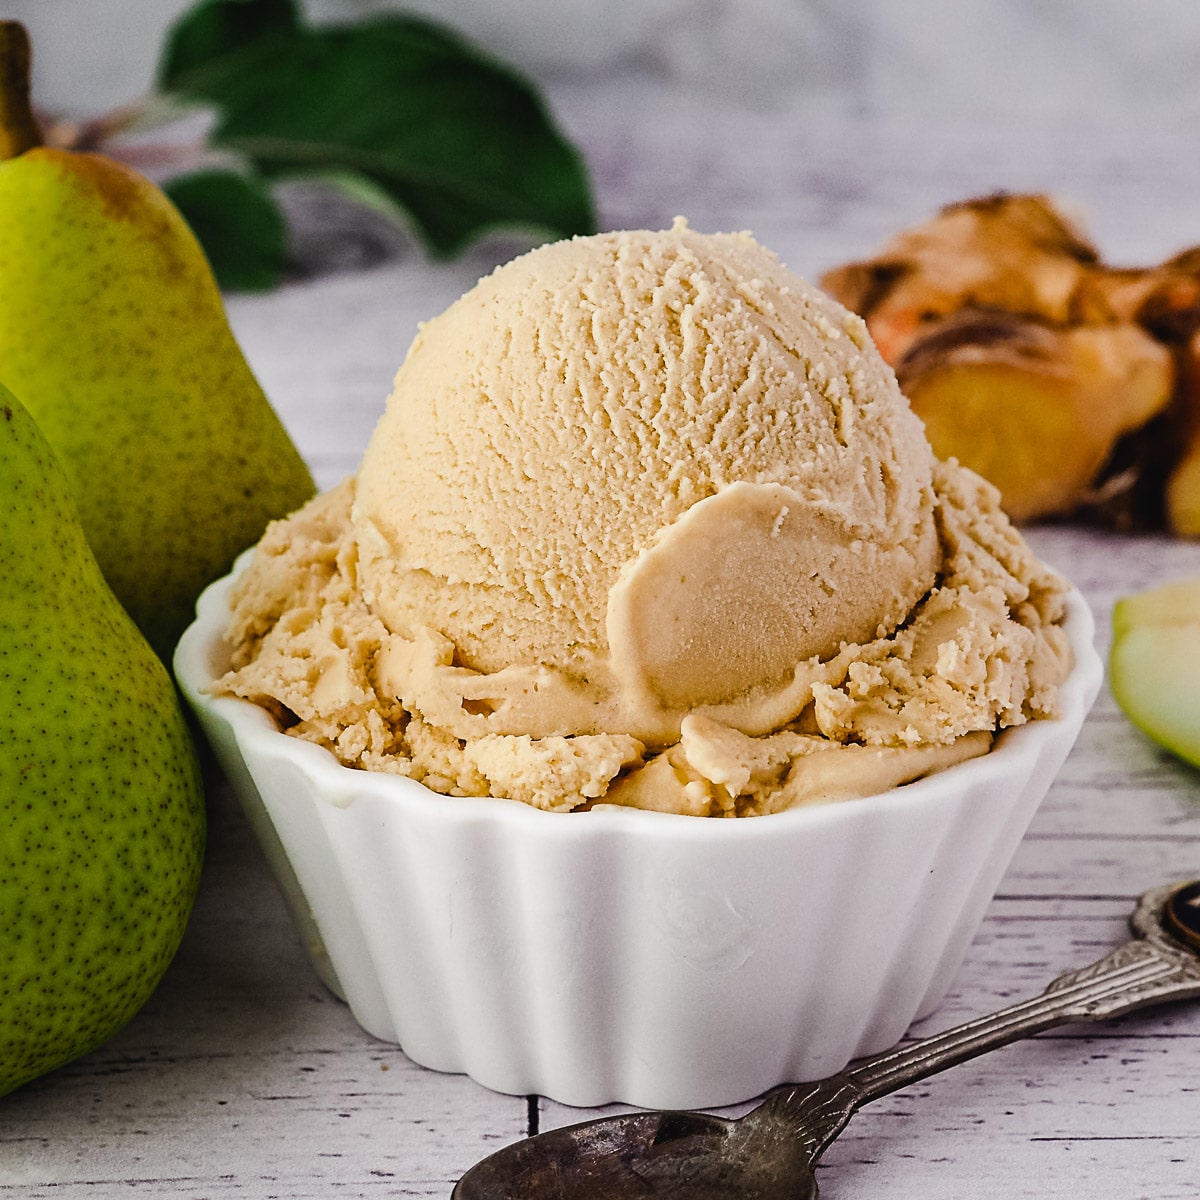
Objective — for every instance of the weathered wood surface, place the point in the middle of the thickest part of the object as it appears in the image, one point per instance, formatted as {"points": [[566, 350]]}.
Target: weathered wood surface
{"points": [[244, 1079]]}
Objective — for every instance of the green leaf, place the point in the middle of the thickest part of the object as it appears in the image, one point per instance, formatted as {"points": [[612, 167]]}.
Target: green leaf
{"points": [[459, 142], [238, 224], [213, 29]]}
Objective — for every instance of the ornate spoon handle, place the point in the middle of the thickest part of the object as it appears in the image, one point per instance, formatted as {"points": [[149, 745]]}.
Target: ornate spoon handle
{"points": [[1147, 970]]}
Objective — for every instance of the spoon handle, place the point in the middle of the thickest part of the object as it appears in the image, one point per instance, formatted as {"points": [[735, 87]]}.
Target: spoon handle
{"points": [[1136, 974]]}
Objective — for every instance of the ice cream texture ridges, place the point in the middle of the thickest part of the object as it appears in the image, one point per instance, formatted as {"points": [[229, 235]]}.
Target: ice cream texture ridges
{"points": [[648, 521]]}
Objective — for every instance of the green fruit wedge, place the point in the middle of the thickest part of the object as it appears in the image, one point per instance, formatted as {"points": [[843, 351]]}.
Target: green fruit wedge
{"points": [[1154, 664]]}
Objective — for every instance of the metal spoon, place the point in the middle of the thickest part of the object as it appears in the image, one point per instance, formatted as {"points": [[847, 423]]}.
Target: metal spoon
{"points": [[769, 1154]]}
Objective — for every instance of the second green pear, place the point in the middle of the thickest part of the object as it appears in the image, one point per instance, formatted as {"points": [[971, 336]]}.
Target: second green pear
{"points": [[114, 335], [101, 806]]}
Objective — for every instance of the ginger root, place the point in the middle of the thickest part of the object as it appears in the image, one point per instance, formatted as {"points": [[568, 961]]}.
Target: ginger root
{"points": [[1072, 384], [1033, 408], [1018, 254]]}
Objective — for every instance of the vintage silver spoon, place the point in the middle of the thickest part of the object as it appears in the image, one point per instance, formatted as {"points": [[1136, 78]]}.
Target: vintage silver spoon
{"points": [[769, 1153]]}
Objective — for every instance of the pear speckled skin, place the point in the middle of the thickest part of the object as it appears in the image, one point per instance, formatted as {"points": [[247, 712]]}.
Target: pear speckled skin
{"points": [[114, 336], [101, 807]]}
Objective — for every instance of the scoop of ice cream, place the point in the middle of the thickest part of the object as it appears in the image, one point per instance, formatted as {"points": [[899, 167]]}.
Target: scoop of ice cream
{"points": [[647, 522], [634, 476]]}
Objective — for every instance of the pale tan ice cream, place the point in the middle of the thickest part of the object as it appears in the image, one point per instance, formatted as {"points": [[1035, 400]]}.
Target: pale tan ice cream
{"points": [[648, 521]]}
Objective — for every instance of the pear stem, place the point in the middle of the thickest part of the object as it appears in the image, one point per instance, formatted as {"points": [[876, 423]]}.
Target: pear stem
{"points": [[18, 128]]}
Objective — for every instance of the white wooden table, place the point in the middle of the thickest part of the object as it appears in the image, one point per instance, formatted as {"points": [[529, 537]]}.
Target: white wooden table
{"points": [[244, 1078]]}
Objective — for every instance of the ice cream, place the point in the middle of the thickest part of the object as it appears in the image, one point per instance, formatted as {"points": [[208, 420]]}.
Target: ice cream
{"points": [[647, 521]]}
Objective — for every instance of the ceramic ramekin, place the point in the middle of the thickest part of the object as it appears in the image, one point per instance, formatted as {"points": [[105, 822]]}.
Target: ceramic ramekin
{"points": [[626, 956]]}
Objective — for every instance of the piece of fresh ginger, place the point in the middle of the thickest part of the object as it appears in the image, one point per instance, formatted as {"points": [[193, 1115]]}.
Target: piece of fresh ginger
{"points": [[1019, 254], [1015, 253], [1034, 408], [1072, 384]]}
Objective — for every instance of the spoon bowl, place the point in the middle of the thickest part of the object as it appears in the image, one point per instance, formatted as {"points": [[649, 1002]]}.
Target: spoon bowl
{"points": [[769, 1154], [642, 1154]]}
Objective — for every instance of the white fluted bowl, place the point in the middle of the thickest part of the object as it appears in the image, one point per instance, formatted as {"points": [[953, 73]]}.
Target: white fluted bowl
{"points": [[618, 955]]}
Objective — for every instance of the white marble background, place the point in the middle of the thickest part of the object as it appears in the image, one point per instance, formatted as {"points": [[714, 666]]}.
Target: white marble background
{"points": [[908, 61]]}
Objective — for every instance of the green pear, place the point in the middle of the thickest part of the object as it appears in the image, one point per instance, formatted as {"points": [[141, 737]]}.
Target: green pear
{"points": [[114, 335], [1154, 664], [101, 808]]}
